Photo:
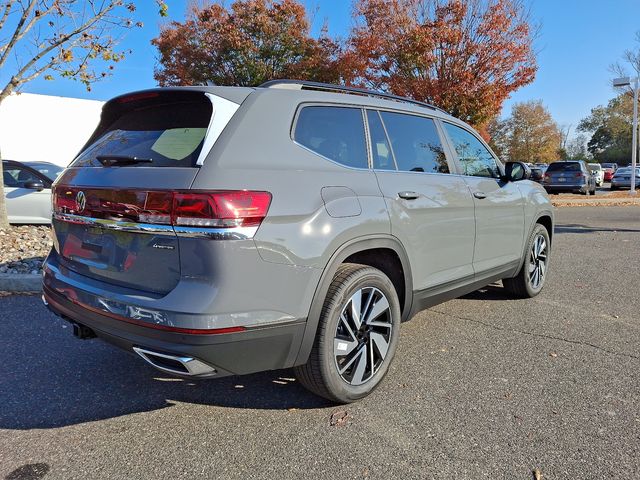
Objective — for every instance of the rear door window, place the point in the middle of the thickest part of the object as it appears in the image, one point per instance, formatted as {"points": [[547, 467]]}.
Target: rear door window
{"points": [[168, 131], [336, 133], [415, 143]]}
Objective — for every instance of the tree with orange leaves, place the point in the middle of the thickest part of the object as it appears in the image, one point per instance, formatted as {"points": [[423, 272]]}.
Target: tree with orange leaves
{"points": [[249, 43], [465, 56]]}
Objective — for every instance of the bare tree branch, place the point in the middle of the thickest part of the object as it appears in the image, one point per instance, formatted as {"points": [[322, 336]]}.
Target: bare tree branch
{"points": [[7, 48], [17, 79], [5, 14]]}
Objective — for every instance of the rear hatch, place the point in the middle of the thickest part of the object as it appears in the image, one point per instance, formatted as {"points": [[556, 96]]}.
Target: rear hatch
{"points": [[114, 205], [560, 173]]}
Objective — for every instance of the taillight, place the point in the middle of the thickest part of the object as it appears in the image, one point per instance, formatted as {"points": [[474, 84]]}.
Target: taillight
{"points": [[579, 175], [220, 209], [215, 209]]}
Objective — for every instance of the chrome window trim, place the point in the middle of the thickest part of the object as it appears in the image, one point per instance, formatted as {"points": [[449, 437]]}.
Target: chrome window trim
{"points": [[232, 233]]}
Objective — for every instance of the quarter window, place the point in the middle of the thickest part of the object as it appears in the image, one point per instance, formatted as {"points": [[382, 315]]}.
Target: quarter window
{"points": [[475, 159], [415, 142], [336, 133]]}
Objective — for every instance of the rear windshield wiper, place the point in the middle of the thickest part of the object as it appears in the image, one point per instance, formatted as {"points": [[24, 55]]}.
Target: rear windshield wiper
{"points": [[108, 160]]}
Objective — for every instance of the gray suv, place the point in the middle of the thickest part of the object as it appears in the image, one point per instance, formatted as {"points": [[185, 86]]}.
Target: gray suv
{"points": [[221, 230]]}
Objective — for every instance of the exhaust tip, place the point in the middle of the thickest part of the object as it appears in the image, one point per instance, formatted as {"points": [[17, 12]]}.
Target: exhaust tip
{"points": [[175, 364]]}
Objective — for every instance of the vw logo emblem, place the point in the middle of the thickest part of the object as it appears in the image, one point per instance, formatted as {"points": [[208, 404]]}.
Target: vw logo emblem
{"points": [[81, 201]]}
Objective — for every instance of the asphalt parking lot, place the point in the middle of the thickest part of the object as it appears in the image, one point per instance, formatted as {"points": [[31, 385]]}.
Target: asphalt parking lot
{"points": [[481, 387]]}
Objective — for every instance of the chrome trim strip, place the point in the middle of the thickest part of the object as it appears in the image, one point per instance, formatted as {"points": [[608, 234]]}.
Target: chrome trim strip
{"points": [[118, 225], [232, 233]]}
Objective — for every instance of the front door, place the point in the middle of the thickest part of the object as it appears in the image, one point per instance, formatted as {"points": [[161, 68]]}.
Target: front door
{"points": [[25, 205], [499, 205]]}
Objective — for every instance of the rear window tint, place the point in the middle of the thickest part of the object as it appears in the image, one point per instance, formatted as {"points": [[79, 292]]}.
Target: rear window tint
{"points": [[169, 133], [564, 167], [336, 133]]}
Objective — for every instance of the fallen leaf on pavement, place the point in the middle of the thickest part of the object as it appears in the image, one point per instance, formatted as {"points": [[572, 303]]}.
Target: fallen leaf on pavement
{"points": [[537, 474], [339, 418]]}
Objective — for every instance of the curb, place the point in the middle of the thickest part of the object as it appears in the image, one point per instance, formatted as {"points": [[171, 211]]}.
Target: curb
{"points": [[610, 202], [20, 282]]}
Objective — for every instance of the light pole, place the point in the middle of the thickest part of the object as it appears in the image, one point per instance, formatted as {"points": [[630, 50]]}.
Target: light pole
{"points": [[626, 82]]}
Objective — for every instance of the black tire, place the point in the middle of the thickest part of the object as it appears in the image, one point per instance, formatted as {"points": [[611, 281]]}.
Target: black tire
{"points": [[522, 285], [321, 373], [612, 188]]}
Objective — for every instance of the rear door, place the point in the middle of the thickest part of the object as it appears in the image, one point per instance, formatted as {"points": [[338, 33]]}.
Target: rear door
{"points": [[431, 211], [499, 205], [113, 206]]}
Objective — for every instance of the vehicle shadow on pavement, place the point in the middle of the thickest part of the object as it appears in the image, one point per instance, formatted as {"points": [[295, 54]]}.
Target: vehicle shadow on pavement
{"points": [[50, 379], [495, 291], [577, 228]]}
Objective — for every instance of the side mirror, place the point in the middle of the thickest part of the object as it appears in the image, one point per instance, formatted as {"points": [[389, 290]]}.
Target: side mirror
{"points": [[515, 171], [34, 185]]}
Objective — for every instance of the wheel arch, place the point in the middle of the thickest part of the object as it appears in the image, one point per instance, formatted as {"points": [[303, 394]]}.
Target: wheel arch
{"points": [[361, 250], [544, 218]]}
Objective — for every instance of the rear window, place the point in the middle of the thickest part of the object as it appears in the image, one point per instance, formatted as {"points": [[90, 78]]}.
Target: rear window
{"points": [[336, 133], [564, 167], [170, 133]]}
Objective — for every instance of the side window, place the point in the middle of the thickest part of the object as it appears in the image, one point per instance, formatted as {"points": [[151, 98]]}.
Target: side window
{"points": [[16, 177], [415, 143], [382, 156], [475, 159], [333, 132]]}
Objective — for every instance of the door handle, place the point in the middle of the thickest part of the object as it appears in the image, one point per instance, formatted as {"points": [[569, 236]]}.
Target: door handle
{"points": [[480, 195], [408, 195]]}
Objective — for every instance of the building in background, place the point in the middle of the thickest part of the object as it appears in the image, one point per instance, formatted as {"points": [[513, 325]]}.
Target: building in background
{"points": [[46, 128]]}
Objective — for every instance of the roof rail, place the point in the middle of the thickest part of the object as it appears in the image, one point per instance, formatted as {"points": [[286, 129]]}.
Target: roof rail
{"points": [[329, 87]]}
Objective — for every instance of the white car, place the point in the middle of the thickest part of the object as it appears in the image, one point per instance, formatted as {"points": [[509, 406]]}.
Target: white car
{"points": [[598, 172], [27, 190]]}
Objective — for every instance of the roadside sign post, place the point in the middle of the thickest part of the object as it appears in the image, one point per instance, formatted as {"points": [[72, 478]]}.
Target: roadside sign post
{"points": [[626, 82], [634, 141]]}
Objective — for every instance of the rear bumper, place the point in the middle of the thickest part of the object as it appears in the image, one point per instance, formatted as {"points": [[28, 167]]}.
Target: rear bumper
{"points": [[230, 343], [252, 350], [624, 184], [566, 188]]}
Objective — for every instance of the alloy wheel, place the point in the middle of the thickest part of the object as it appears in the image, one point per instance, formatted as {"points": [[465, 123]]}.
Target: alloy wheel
{"points": [[538, 262], [362, 336]]}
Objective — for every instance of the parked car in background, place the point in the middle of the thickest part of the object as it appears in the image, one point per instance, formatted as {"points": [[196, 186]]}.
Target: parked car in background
{"points": [[27, 193], [622, 178], [537, 174], [50, 170], [598, 172], [542, 166], [230, 230], [569, 176], [609, 170]]}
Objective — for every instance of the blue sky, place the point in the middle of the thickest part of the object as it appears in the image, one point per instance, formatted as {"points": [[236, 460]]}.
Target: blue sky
{"points": [[577, 43]]}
